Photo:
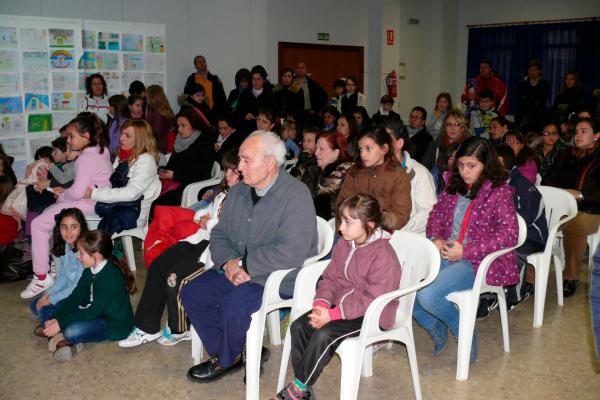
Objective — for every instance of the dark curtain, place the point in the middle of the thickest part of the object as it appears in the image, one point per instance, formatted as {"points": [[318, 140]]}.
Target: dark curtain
{"points": [[561, 47]]}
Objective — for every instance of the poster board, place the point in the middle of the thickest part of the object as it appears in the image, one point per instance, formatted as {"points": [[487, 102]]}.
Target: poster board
{"points": [[44, 63]]}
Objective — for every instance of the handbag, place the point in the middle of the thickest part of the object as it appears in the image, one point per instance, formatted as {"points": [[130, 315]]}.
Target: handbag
{"points": [[15, 264]]}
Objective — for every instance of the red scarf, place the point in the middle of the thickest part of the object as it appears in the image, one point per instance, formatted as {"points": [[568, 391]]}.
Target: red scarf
{"points": [[124, 155]]}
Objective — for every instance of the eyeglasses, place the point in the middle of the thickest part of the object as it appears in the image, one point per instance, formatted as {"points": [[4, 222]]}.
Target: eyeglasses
{"points": [[452, 125], [415, 116], [550, 133]]}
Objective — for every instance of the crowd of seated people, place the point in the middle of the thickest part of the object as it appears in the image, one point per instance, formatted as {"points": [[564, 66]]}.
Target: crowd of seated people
{"points": [[457, 176]]}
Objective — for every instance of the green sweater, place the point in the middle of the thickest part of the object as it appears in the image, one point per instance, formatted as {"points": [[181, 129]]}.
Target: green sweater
{"points": [[106, 295]]}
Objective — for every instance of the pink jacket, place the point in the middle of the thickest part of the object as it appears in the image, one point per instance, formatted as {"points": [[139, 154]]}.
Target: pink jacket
{"points": [[493, 226], [529, 170], [357, 275], [92, 169]]}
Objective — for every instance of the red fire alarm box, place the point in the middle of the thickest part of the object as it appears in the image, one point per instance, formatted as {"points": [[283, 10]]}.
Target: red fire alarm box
{"points": [[390, 36]]}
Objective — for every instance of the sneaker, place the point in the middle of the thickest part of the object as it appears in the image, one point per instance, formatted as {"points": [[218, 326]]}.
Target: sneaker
{"points": [[291, 392], [138, 337], [171, 339], [486, 305], [37, 286]]}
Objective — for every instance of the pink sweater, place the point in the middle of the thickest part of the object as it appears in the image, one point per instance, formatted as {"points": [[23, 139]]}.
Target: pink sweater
{"points": [[92, 169]]}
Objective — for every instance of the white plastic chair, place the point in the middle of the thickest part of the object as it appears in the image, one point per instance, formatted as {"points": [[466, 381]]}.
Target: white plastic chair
{"points": [[592, 240], [216, 171], [420, 262], [269, 310], [190, 193], [538, 179], [560, 207], [289, 164], [468, 300]]}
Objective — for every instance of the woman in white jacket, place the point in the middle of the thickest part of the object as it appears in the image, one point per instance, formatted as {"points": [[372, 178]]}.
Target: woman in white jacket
{"points": [[138, 146], [422, 187], [176, 266]]}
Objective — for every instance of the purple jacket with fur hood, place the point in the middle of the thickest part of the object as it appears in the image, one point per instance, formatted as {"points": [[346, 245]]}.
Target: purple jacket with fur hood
{"points": [[357, 275], [493, 226]]}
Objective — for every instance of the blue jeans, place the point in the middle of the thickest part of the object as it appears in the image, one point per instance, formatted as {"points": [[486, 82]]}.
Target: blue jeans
{"points": [[595, 298], [45, 313], [86, 331], [432, 310]]}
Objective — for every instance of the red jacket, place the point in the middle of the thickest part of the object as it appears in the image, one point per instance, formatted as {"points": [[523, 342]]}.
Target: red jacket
{"points": [[496, 86], [357, 275]]}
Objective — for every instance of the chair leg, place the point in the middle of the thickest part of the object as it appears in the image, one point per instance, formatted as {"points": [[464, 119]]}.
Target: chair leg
{"points": [[128, 247], [254, 338], [466, 326], [367, 364], [352, 361], [541, 284], [412, 361], [558, 268], [285, 359], [274, 328], [197, 348], [503, 319]]}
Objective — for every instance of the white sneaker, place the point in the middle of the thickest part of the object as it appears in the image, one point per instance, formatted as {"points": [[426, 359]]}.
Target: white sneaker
{"points": [[171, 339], [37, 286], [138, 337]]}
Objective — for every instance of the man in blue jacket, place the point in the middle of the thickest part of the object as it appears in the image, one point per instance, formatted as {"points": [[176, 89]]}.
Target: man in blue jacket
{"points": [[268, 223]]}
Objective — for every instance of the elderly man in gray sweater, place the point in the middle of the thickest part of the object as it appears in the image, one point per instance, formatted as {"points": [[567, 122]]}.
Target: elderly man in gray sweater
{"points": [[267, 223]]}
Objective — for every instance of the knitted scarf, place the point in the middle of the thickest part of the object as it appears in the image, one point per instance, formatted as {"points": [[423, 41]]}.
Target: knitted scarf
{"points": [[182, 144]]}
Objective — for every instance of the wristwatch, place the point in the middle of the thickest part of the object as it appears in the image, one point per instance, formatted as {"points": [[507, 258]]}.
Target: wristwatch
{"points": [[580, 196]]}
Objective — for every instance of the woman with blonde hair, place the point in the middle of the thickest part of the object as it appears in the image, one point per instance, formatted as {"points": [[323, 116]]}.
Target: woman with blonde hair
{"points": [[159, 115], [455, 130], [135, 178]]}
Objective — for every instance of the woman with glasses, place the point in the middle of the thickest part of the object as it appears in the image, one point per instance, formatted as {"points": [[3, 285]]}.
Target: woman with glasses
{"points": [[550, 145], [455, 131]]}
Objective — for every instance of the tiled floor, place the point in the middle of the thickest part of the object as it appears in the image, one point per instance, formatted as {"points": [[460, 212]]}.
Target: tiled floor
{"points": [[552, 362]]}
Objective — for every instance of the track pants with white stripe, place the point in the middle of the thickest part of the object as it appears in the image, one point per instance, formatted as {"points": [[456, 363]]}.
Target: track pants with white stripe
{"points": [[313, 348]]}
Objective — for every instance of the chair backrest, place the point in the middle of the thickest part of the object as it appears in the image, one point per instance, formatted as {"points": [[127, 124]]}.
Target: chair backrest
{"points": [[289, 164], [325, 241], [538, 179], [420, 261], [215, 172], [190, 193], [560, 207], [480, 279]]}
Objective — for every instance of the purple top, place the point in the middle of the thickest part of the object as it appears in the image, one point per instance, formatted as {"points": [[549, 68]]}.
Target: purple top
{"points": [[529, 170], [493, 226], [114, 131]]}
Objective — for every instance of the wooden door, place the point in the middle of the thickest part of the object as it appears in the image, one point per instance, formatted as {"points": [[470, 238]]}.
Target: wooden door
{"points": [[325, 63]]}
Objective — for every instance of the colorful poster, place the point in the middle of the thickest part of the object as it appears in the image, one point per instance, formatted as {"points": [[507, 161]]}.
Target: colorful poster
{"points": [[35, 82], [88, 60], [8, 38], [61, 37], [62, 59], [82, 77], [34, 38], [89, 39], [11, 105], [37, 102], [63, 101], [10, 84], [108, 41], [64, 81], [133, 62], [155, 44], [15, 147], [155, 62], [132, 42], [112, 79], [128, 77], [8, 61], [107, 61], [39, 122], [11, 124], [60, 119], [154, 79], [35, 61]]}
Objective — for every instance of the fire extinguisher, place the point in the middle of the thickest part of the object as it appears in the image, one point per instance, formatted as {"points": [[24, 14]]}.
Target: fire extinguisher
{"points": [[391, 81]]}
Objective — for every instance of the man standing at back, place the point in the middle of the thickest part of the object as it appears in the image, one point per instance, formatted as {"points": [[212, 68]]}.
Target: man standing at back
{"points": [[486, 80], [213, 88], [315, 98], [268, 223]]}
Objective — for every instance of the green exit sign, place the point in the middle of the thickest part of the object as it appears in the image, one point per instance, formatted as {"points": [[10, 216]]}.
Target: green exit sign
{"points": [[322, 36]]}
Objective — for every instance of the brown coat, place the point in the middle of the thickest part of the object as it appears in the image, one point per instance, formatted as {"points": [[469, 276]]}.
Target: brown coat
{"points": [[388, 183]]}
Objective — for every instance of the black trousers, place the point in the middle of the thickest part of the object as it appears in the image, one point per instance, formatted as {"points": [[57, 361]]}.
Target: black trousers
{"points": [[167, 274], [313, 348]]}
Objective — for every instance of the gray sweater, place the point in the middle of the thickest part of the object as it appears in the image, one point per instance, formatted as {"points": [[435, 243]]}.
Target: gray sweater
{"points": [[64, 174], [279, 232]]}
